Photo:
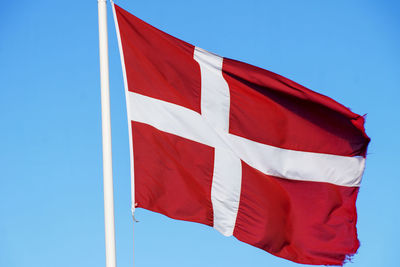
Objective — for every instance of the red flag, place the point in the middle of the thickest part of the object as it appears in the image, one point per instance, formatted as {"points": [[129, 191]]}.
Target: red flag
{"points": [[244, 150]]}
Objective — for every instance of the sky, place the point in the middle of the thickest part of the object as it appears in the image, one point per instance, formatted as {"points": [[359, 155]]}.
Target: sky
{"points": [[51, 190]]}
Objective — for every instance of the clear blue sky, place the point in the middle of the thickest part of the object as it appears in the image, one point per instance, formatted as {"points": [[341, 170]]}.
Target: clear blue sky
{"points": [[51, 197]]}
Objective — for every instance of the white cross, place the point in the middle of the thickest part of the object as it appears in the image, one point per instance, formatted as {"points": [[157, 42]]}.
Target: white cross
{"points": [[211, 128]]}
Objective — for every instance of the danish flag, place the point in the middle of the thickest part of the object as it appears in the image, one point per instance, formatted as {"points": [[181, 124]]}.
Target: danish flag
{"points": [[239, 148]]}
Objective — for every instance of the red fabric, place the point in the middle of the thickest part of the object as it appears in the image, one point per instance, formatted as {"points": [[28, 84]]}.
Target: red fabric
{"points": [[289, 115], [305, 222], [173, 175], [175, 76]]}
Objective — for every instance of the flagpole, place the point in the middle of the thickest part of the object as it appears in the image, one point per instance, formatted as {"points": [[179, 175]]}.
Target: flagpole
{"points": [[106, 136]]}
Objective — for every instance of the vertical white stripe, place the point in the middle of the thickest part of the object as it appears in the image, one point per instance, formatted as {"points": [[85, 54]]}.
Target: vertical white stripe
{"points": [[227, 176], [215, 99], [225, 191]]}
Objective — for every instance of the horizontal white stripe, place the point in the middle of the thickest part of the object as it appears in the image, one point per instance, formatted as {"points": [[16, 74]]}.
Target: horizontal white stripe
{"points": [[172, 119], [285, 163], [299, 165]]}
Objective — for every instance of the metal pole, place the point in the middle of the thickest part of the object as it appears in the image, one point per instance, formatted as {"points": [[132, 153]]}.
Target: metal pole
{"points": [[106, 134]]}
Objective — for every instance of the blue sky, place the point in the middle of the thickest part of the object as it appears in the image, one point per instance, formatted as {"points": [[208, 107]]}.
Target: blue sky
{"points": [[51, 198]]}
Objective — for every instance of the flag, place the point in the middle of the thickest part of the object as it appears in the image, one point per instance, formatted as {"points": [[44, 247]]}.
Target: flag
{"points": [[239, 148]]}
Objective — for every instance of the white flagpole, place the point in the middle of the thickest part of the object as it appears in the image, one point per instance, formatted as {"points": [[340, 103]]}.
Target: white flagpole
{"points": [[106, 134]]}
